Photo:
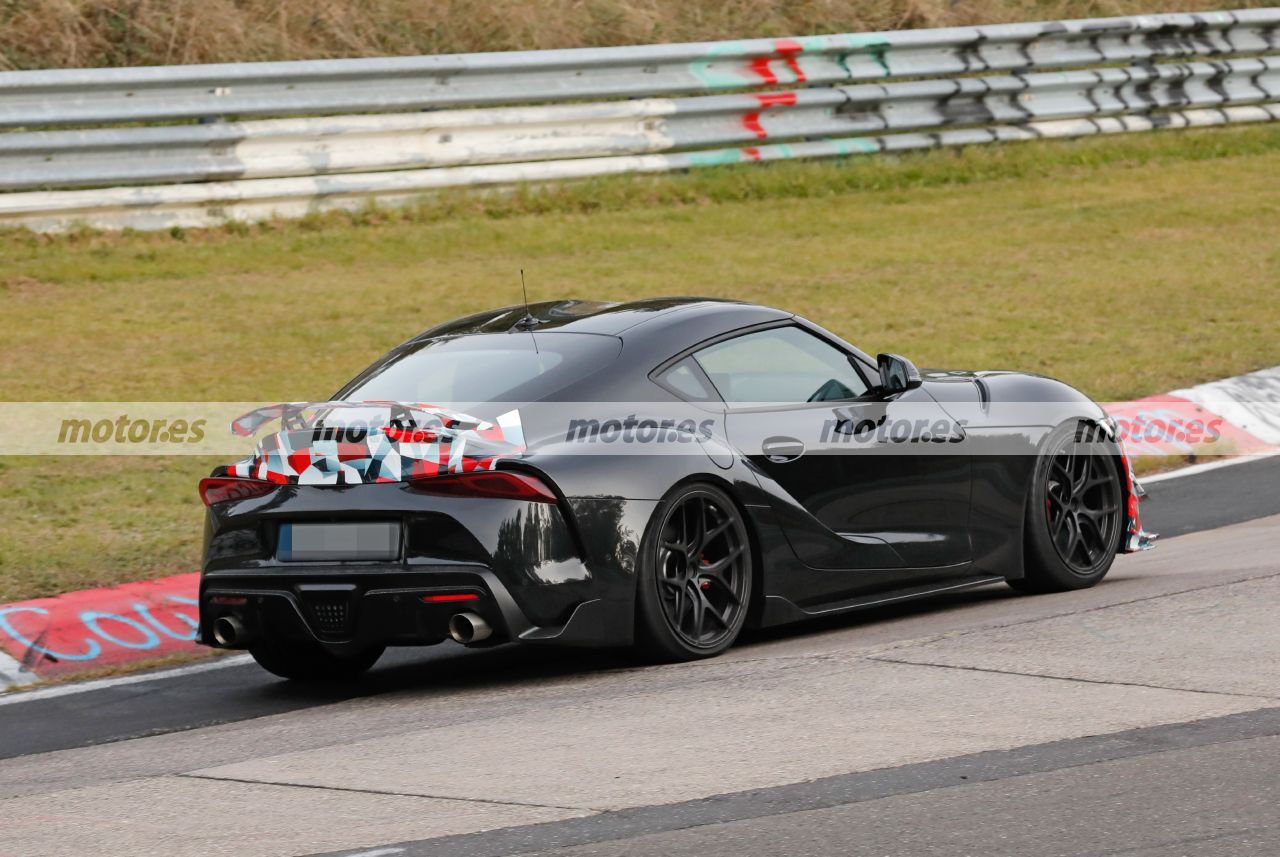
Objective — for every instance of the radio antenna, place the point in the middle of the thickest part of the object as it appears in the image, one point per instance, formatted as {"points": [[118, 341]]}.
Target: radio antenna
{"points": [[528, 322]]}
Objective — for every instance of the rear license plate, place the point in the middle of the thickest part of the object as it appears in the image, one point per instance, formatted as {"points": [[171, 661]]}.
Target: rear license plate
{"points": [[334, 542]]}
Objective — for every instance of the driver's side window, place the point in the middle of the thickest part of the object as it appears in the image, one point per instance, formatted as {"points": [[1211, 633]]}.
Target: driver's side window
{"points": [[780, 365]]}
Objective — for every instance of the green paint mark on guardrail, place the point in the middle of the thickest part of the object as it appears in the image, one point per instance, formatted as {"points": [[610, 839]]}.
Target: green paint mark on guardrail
{"points": [[717, 78], [876, 46], [715, 158], [856, 146]]}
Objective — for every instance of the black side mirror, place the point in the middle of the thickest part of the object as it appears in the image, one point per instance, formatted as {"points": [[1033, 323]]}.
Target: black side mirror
{"points": [[897, 374]]}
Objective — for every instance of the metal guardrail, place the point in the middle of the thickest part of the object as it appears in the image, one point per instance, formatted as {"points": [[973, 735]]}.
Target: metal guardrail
{"points": [[1070, 78], [294, 147]]}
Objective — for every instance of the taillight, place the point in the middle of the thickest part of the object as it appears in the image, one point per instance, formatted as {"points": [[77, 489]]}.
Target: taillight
{"points": [[506, 484], [220, 489]]}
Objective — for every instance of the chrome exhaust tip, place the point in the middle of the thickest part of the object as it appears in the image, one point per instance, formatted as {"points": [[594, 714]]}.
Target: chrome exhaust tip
{"points": [[229, 633], [467, 628]]}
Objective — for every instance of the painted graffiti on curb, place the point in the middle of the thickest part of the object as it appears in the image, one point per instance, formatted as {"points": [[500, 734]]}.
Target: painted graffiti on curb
{"points": [[71, 633]]}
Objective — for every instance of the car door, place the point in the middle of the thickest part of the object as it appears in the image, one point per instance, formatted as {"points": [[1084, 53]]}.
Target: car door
{"points": [[866, 494]]}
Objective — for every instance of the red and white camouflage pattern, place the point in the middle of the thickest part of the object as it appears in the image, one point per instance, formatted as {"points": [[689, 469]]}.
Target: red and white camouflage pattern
{"points": [[350, 443]]}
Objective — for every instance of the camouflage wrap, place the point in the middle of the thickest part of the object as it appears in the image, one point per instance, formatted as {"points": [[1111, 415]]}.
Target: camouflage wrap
{"points": [[349, 443]]}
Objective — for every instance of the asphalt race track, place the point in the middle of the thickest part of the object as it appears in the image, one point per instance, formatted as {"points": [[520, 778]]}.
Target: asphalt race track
{"points": [[1140, 717]]}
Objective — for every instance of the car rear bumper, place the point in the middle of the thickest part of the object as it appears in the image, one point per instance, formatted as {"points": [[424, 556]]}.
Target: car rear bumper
{"points": [[345, 611], [559, 572]]}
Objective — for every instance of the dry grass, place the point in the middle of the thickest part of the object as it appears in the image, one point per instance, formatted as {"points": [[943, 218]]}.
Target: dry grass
{"points": [[77, 33]]}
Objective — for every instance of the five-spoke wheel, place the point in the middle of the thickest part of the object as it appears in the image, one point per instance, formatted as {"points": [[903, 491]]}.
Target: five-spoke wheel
{"points": [[695, 575], [1074, 512], [1082, 506]]}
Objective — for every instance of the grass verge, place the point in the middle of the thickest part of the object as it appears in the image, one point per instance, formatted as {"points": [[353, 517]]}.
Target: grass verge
{"points": [[1124, 266]]}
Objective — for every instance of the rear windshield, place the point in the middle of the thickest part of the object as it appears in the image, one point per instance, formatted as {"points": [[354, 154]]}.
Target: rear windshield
{"points": [[491, 367]]}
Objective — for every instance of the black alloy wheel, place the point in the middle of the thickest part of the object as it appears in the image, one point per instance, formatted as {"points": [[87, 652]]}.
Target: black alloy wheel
{"points": [[1082, 506], [696, 580], [1074, 512]]}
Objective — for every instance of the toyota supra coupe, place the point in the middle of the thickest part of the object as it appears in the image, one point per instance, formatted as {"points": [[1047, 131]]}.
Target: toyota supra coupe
{"points": [[657, 474]]}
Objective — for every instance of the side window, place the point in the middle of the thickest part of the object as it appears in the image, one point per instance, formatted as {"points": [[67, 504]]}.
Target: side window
{"points": [[685, 381], [780, 365]]}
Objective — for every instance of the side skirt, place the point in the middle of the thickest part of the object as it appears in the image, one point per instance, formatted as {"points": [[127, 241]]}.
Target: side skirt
{"points": [[779, 610]]}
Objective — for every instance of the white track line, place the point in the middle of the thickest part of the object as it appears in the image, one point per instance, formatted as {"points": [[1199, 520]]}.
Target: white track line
{"points": [[118, 681], [1193, 469]]}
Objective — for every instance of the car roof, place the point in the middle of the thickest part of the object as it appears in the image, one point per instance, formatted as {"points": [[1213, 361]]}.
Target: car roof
{"points": [[609, 318]]}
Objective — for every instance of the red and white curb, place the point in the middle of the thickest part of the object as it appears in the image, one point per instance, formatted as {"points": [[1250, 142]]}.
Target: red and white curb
{"points": [[94, 628], [1250, 401], [1242, 412], [66, 634]]}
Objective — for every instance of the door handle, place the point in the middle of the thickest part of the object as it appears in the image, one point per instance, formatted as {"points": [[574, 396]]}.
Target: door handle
{"points": [[780, 450]]}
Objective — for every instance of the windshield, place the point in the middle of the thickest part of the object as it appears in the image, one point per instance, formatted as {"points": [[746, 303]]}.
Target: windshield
{"points": [[493, 367]]}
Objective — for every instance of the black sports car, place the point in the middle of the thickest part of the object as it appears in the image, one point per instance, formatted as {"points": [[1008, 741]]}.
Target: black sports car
{"points": [[659, 473]]}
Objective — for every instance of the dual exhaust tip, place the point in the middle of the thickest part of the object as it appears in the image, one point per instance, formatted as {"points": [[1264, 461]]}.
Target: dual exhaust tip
{"points": [[466, 628]]}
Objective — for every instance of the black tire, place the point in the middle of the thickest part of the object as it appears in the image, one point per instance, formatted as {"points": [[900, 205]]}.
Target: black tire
{"points": [[310, 663], [695, 568], [1074, 514]]}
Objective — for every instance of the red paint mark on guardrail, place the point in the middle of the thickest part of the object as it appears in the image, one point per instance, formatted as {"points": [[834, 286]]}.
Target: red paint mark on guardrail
{"points": [[102, 627], [785, 50], [751, 119]]}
